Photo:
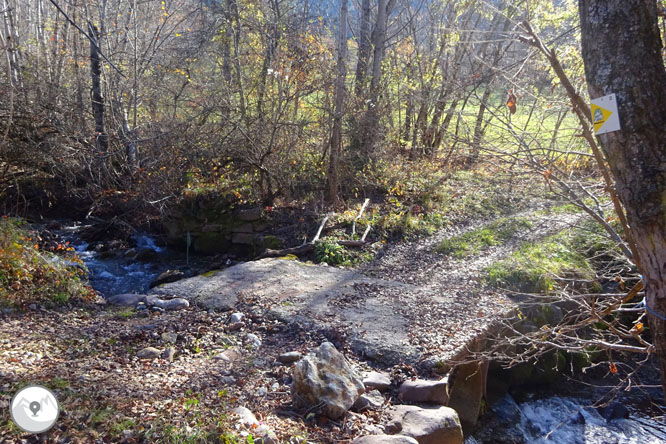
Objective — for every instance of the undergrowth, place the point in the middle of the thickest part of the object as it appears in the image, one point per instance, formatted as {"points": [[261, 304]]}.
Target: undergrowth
{"points": [[30, 274], [539, 267]]}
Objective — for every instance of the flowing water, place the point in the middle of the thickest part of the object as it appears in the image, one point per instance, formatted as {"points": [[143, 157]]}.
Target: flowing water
{"points": [[566, 420], [117, 274]]}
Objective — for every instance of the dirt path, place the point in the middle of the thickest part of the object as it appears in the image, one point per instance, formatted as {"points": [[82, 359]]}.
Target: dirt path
{"points": [[89, 355]]}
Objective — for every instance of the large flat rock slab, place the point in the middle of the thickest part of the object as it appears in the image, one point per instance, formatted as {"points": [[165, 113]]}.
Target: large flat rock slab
{"points": [[313, 295], [378, 316]]}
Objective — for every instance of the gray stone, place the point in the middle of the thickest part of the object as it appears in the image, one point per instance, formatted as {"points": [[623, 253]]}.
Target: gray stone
{"points": [[167, 304], [325, 379], [131, 253], [157, 309], [468, 390], [126, 299], [265, 435], [289, 357], [169, 353], [245, 228], [149, 353], [421, 390], [169, 337], [243, 238], [247, 418], [167, 277], [235, 326], [438, 425], [385, 439], [376, 380], [251, 215], [253, 340], [32, 307], [235, 317], [228, 380], [372, 400], [228, 355]]}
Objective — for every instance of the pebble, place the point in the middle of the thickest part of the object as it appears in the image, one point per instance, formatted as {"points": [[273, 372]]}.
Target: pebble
{"points": [[228, 380], [169, 337], [169, 353], [262, 391], [157, 309], [253, 340], [236, 317], [235, 326], [149, 353], [289, 357]]}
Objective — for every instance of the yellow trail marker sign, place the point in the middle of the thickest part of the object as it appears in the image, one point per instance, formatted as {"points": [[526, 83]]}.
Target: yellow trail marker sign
{"points": [[605, 117]]}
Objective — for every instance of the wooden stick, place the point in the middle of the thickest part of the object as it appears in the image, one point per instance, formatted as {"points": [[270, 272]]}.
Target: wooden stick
{"points": [[321, 227], [360, 213]]}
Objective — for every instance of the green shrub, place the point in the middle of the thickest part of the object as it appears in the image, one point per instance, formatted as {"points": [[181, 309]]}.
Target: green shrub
{"points": [[330, 252], [29, 274]]}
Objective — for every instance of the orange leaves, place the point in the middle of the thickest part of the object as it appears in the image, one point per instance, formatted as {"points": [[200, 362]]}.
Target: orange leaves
{"points": [[511, 102], [612, 367]]}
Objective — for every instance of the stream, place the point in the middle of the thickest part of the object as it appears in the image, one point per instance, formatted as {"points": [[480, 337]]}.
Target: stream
{"points": [[565, 420], [539, 417]]}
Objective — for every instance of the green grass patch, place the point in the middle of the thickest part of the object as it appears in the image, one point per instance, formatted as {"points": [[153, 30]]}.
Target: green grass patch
{"points": [[475, 241], [536, 267]]}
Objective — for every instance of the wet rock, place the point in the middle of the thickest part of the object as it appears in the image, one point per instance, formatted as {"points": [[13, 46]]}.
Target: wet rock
{"points": [[131, 253], [167, 277], [149, 353], [146, 255], [126, 299], [421, 390], [385, 439], [169, 353], [289, 357], [157, 309], [428, 425], [614, 411], [376, 380], [372, 400], [324, 378]]}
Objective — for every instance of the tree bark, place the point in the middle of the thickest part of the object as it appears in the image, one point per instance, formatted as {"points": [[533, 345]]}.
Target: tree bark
{"points": [[336, 134], [101, 138], [622, 53]]}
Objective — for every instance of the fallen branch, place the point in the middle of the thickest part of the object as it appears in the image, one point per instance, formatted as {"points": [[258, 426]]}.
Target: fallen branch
{"points": [[360, 213]]}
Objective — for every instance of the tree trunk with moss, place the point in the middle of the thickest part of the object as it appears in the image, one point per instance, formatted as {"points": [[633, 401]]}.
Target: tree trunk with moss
{"points": [[622, 53]]}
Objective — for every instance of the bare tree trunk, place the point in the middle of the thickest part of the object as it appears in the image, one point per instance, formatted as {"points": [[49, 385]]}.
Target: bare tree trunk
{"points": [[11, 43], [336, 135], [364, 48], [370, 127], [615, 35], [101, 138]]}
